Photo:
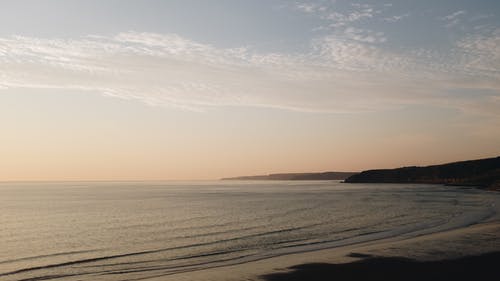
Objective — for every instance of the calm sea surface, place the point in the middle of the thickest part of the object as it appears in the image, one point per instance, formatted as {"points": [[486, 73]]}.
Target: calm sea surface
{"points": [[135, 230]]}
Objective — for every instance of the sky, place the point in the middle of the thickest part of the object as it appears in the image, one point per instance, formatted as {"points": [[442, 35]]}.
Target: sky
{"points": [[191, 90]]}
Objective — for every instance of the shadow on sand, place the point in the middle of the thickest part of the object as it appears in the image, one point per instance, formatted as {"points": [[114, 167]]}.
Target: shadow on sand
{"points": [[484, 267]]}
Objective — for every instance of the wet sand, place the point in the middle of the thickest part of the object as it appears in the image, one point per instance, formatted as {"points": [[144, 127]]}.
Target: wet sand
{"points": [[470, 253]]}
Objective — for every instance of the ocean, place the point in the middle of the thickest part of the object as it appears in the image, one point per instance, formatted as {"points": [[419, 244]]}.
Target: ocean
{"points": [[137, 230]]}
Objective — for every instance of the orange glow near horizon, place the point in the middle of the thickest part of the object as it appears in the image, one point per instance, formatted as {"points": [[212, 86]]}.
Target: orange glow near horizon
{"points": [[90, 137]]}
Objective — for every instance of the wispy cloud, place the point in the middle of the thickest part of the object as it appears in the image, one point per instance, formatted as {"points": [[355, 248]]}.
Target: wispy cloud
{"points": [[454, 15], [342, 19], [338, 74], [327, 11], [311, 7], [453, 18], [396, 18], [364, 35], [481, 53]]}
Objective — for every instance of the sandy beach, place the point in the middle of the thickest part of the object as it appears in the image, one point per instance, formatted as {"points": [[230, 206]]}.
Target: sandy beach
{"points": [[457, 254]]}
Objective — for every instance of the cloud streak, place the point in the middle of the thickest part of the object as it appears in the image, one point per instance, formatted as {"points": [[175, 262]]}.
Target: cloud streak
{"points": [[396, 18], [338, 74], [454, 18]]}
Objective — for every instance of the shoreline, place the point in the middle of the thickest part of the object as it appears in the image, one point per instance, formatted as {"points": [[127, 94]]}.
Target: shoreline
{"points": [[425, 251]]}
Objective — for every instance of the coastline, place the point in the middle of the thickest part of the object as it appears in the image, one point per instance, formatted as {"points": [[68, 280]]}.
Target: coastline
{"points": [[428, 250], [480, 173]]}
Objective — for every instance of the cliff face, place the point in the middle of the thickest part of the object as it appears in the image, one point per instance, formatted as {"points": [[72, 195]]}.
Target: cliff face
{"points": [[484, 173]]}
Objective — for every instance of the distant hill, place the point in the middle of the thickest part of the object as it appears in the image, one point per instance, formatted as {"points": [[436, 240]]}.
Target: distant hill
{"points": [[484, 173], [298, 176]]}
